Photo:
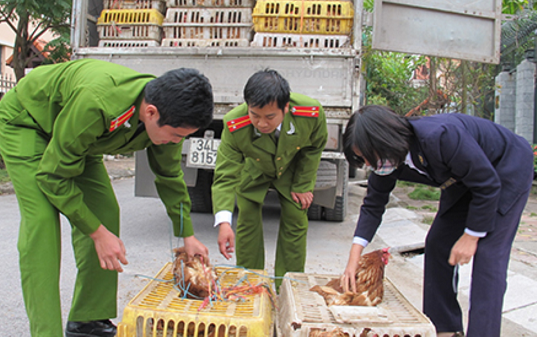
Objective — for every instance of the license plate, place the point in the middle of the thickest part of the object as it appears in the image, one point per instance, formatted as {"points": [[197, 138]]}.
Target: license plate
{"points": [[202, 152]]}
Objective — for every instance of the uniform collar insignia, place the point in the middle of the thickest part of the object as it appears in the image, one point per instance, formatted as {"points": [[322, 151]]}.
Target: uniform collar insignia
{"points": [[122, 119], [291, 129]]}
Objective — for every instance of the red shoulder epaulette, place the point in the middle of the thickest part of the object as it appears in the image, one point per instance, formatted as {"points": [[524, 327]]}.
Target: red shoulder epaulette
{"points": [[117, 122], [305, 111], [238, 123]]}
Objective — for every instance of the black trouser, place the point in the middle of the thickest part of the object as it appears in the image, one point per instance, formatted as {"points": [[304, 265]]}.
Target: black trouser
{"points": [[489, 271]]}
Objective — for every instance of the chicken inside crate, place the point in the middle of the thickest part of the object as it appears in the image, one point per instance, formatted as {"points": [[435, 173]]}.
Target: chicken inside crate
{"points": [[314, 305], [191, 298]]}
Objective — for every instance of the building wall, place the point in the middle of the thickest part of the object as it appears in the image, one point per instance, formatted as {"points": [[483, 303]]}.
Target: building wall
{"points": [[515, 100], [7, 41]]}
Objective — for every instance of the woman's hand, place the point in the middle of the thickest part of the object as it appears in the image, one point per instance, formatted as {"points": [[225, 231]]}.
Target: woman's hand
{"points": [[349, 275], [463, 250], [109, 248]]}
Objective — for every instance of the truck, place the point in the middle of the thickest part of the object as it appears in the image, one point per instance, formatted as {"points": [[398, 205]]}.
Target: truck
{"points": [[323, 66]]}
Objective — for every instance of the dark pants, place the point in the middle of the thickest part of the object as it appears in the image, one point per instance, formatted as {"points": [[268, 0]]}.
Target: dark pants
{"points": [[489, 273]]}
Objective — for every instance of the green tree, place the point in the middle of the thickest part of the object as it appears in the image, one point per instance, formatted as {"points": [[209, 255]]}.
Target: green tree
{"points": [[467, 86], [30, 19], [388, 78]]}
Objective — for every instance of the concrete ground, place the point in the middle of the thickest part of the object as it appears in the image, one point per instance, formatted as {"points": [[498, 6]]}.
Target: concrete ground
{"points": [[404, 228]]}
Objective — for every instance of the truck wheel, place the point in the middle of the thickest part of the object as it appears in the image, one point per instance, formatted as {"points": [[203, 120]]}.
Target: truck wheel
{"points": [[200, 195], [315, 212], [339, 211]]}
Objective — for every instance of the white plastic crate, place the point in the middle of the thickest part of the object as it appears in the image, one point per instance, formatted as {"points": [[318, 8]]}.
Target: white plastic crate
{"points": [[159, 5], [208, 23], [210, 3], [205, 43], [301, 311], [128, 43], [300, 40], [129, 32], [209, 16]]}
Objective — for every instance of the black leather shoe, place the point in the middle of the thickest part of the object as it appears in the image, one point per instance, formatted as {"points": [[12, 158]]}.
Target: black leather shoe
{"points": [[104, 328]]}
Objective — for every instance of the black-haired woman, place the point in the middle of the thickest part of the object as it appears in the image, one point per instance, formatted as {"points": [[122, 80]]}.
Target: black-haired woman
{"points": [[484, 172]]}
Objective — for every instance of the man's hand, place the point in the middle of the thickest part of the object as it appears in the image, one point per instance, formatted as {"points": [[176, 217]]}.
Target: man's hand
{"points": [[349, 275], [194, 247], [110, 249], [226, 239], [304, 199], [463, 250]]}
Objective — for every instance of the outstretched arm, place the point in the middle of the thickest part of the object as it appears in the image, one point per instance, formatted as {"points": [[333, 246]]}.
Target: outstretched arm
{"points": [[349, 275]]}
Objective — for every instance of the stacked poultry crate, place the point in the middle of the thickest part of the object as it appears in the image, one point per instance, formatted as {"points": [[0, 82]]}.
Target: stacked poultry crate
{"points": [[208, 23], [303, 23], [131, 23]]}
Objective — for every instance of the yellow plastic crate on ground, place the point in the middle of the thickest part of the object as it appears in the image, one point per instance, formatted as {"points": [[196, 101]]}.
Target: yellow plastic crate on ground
{"points": [[302, 313], [158, 310], [304, 17]]}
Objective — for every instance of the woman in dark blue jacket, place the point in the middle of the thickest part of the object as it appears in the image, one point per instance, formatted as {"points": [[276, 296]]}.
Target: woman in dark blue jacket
{"points": [[484, 172]]}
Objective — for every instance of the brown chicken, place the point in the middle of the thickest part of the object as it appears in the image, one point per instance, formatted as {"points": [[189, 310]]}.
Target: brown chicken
{"points": [[192, 276], [369, 286], [337, 332]]}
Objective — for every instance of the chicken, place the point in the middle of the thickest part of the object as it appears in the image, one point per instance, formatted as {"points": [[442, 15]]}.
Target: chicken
{"points": [[369, 283], [192, 276], [337, 332]]}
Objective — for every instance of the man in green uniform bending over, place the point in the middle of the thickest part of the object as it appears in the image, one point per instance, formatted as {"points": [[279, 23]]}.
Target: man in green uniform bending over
{"points": [[55, 126], [275, 140]]}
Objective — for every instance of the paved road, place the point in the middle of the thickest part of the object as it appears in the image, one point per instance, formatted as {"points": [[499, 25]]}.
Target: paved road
{"points": [[146, 234], [145, 231]]}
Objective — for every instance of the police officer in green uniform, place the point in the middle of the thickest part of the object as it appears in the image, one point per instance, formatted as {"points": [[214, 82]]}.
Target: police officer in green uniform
{"points": [[274, 140], [55, 126]]}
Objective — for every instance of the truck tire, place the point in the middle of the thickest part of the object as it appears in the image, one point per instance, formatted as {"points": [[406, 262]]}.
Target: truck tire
{"points": [[315, 212], [339, 211], [200, 195]]}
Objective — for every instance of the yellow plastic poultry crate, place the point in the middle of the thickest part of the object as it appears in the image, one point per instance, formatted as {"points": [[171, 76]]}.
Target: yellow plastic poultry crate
{"points": [[303, 17], [303, 313], [159, 310], [159, 5], [130, 24], [131, 17]]}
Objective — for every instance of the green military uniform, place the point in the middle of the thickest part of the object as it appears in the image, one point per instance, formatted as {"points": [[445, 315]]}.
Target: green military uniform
{"points": [[55, 125], [249, 163]]}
